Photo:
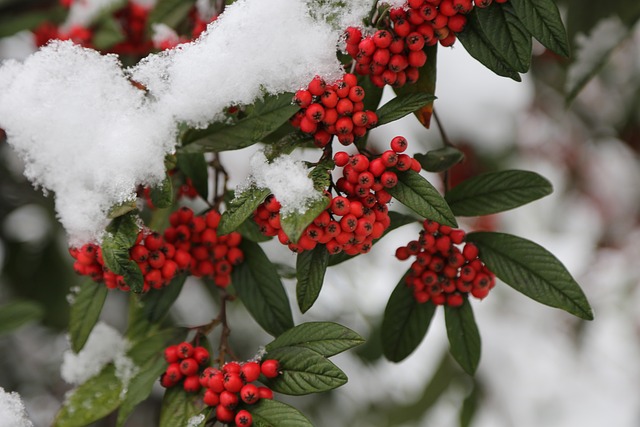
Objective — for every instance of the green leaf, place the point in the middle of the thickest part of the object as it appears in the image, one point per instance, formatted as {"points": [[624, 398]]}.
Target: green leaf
{"points": [[478, 46], [240, 208], [304, 371], [91, 401], [162, 196], [120, 237], [153, 345], [140, 386], [85, 311], [259, 287], [426, 84], [532, 270], [107, 33], [403, 105], [12, 24], [310, 269], [268, 115], [272, 413], [18, 313], [464, 338], [157, 302], [440, 160], [416, 193], [506, 34], [321, 174], [177, 407], [326, 338], [170, 12], [542, 20], [397, 220], [494, 192], [294, 224], [194, 166], [405, 322]]}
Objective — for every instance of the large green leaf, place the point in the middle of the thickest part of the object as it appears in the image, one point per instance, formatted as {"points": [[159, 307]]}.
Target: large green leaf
{"points": [[542, 20], [85, 310], [259, 287], [18, 313], [267, 116], [240, 208], [120, 237], [162, 195], [476, 43], [326, 338], [506, 34], [157, 302], [497, 192], [310, 269], [177, 407], [140, 386], [464, 338], [440, 160], [403, 105], [405, 322], [532, 270], [272, 413], [416, 193], [194, 166], [294, 223], [304, 371]]}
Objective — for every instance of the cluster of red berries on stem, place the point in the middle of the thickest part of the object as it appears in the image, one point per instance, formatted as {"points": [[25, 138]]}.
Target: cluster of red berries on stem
{"points": [[355, 217], [442, 272], [186, 362], [333, 109], [394, 53]]}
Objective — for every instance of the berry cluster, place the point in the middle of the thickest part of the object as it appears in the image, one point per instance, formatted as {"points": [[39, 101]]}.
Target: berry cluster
{"points": [[190, 244], [333, 109], [443, 273], [353, 220], [394, 53], [185, 365]]}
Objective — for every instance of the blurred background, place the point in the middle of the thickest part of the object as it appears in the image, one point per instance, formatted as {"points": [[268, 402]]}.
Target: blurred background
{"points": [[539, 366]]}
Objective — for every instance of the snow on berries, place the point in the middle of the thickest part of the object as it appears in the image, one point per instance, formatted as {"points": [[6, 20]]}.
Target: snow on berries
{"points": [[445, 272]]}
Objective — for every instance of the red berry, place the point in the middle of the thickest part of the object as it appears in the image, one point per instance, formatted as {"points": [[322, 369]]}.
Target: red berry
{"points": [[189, 367], [270, 368], [223, 414], [317, 86], [303, 98], [470, 251], [229, 399], [171, 354], [233, 382], [315, 113], [173, 372], [211, 398], [341, 158], [139, 253], [250, 371], [265, 393], [201, 355], [191, 384], [249, 394], [243, 418], [185, 350], [153, 241]]}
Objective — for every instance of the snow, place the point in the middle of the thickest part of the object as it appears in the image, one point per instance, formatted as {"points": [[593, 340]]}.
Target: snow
{"points": [[163, 33], [287, 179], [12, 411], [104, 345], [195, 421], [17, 46]]}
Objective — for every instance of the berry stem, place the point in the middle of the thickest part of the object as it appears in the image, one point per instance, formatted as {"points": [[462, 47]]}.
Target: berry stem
{"points": [[447, 142], [218, 170], [224, 348]]}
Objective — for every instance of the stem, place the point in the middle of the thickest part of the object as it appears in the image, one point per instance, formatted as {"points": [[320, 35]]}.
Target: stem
{"points": [[447, 143], [224, 348], [217, 190]]}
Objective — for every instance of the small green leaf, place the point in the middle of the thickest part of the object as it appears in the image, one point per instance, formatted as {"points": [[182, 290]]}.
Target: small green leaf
{"points": [[494, 192], [122, 209], [170, 12], [294, 224], [478, 46], [321, 174], [177, 407], [107, 33], [440, 160], [418, 194], [326, 338], [542, 20], [272, 413], [304, 371], [405, 322], [506, 34], [532, 270], [120, 237], [194, 166], [85, 311], [157, 302], [18, 313], [240, 208], [310, 269], [91, 401], [259, 287], [162, 196], [464, 338], [268, 115], [403, 105]]}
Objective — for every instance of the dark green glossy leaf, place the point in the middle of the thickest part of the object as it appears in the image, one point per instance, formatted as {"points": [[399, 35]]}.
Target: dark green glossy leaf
{"points": [[140, 386], [405, 323], [157, 302], [416, 193], [177, 407], [18, 313], [403, 105], [464, 338], [326, 338], [310, 269], [121, 235], [440, 160], [194, 166], [240, 208], [272, 413], [542, 20], [497, 192], [12, 24], [506, 34], [304, 371], [162, 195], [267, 116], [532, 270], [170, 12], [294, 224], [85, 310], [259, 287], [321, 174], [478, 46]]}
